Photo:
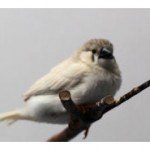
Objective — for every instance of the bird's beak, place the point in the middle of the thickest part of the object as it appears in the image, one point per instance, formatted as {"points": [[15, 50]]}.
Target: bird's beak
{"points": [[106, 54]]}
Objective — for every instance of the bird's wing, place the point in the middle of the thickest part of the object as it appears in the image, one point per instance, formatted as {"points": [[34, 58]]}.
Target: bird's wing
{"points": [[63, 77]]}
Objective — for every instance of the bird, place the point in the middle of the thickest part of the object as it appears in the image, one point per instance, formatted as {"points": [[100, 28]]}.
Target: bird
{"points": [[89, 74]]}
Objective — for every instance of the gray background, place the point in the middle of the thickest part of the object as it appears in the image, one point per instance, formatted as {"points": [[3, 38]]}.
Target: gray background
{"points": [[34, 40]]}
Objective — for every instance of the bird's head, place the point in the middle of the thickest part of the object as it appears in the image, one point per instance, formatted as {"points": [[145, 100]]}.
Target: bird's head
{"points": [[97, 52]]}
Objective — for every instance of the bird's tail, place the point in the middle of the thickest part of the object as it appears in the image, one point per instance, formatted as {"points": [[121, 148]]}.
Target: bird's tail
{"points": [[13, 116]]}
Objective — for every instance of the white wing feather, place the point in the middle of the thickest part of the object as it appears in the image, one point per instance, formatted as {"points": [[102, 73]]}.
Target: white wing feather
{"points": [[63, 77]]}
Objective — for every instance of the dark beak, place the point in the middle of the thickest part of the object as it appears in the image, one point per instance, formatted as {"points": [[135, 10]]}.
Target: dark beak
{"points": [[105, 54]]}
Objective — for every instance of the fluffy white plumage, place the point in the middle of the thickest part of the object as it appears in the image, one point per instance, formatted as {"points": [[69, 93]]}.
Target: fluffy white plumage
{"points": [[89, 74]]}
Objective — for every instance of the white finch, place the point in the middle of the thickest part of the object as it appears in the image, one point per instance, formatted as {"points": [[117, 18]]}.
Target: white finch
{"points": [[90, 74]]}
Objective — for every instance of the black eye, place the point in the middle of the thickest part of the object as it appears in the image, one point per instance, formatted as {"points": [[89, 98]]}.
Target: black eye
{"points": [[94, 51]]}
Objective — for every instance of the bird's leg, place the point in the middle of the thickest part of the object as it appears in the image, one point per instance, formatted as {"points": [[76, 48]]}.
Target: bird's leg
{"points": [[85, 108]]}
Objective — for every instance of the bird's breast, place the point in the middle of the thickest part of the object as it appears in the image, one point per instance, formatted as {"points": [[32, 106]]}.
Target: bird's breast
{"points": [[96, 86]]}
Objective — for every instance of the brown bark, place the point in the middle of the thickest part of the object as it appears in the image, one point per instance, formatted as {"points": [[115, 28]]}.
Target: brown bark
{"points": [[82, 117]]}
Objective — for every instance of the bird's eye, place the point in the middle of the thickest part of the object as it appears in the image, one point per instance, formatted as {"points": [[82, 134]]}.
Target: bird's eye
{"points": [[94, 51]]}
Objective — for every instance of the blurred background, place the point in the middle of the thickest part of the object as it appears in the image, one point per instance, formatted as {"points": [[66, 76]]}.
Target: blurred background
{"points": [[32, 41]]}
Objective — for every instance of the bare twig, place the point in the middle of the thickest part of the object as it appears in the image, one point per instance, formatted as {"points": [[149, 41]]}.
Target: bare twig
{"points": [[82, 116]]}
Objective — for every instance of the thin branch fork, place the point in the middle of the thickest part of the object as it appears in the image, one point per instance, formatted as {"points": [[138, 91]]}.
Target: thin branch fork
{"points": [[82, 116]]}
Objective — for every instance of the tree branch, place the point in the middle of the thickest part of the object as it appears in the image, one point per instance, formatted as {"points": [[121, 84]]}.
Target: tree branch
{"points": [[82, 116]]}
